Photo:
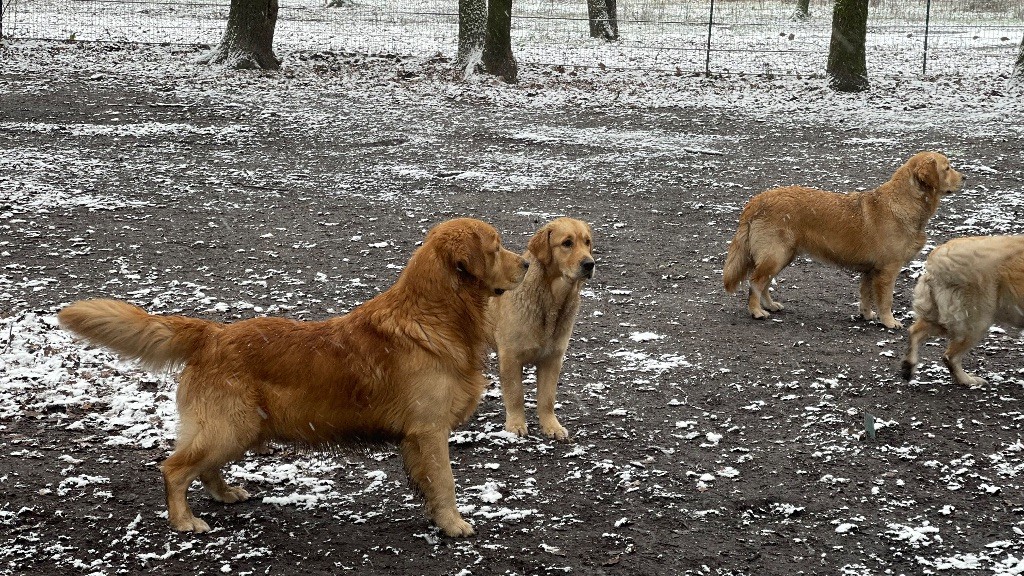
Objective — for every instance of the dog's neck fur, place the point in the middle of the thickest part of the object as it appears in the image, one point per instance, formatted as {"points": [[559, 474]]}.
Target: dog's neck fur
{"points": [[438, 309], [565, 292], [929, 197]]}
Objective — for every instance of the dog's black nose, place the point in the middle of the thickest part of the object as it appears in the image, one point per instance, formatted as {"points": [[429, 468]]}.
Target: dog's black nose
{"points": [[587, 266], [526, 264]]}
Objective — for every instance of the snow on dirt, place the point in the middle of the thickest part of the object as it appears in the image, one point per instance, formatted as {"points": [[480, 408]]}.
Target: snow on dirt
{"points": [[702, 441]]}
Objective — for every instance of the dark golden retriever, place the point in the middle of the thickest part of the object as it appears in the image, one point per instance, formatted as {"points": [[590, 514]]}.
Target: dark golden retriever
{"points": [[532, 324], [968, 285], [874, 233], [404, 367]]}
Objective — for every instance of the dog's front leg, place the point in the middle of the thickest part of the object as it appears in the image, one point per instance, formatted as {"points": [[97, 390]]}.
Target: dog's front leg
{"points": [[548, 371], [510, 372], [426, 460]]}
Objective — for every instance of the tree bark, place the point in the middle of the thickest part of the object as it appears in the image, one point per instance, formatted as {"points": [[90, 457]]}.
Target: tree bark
{"points": [[497, 57], [1018, 69], [803, 10], [847, 67], [249, 37], [603, 21], [472, 30]]}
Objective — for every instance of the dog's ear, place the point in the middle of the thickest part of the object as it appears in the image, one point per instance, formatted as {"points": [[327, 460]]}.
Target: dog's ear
{"points": [[926, 171], [540, 246], [467, 254]]}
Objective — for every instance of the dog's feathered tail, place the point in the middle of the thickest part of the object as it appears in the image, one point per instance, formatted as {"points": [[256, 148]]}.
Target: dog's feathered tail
{"points": [[158, 342], [738, 261]]}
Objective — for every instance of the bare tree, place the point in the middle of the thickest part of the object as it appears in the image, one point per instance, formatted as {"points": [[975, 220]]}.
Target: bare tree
{"points": [[847, 68], [497, 56], [603, 19], [249, 38], [1018, 69], [472, 29], [803, 10]]}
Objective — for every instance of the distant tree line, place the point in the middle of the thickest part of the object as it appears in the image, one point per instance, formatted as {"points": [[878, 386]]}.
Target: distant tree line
{"points": [[485, 39]]}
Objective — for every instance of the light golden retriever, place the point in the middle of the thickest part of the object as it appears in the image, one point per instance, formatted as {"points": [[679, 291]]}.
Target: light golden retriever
{"points": [[968, 285], [874, 233], [404, 367], [532, 324]]}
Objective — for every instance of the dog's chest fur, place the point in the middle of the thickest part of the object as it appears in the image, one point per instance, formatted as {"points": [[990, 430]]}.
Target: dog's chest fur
{"points": [[548, 311]]}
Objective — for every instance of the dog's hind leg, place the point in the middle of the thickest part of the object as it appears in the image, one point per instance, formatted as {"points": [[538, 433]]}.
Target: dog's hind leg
{"points": [[205, 443], [919, 330], [760, 283], [954, 354], [868, 300], [884, 282], [219, 490]]}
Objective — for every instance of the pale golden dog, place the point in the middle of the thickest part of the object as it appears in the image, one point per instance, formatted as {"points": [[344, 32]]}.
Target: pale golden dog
{"points": [[405, 367], [532, 324], [874, 233], [968, 285]]}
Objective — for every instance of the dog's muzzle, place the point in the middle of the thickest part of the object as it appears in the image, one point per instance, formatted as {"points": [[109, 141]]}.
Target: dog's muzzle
{"points": [[587, 266]]}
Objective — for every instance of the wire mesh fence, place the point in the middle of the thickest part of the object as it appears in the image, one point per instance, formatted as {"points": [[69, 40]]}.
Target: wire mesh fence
{"points": [[735, 36]]}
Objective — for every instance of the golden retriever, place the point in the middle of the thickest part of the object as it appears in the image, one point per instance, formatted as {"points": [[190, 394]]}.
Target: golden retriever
{"points": [[874, 233], [532, 324], [404, 367], [968, 285]]}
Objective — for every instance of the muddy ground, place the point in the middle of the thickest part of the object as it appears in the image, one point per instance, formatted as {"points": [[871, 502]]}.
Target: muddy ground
{"points": [[702, 441]]}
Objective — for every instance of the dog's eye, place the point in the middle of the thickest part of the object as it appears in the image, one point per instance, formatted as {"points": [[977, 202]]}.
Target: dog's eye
{"points": [[587, 242], [567, 243]]}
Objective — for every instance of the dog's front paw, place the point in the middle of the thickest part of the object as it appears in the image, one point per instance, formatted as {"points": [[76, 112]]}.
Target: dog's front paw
{"points": [[775, 306], [515, 427], [454, 526], [190, 524], [892, 323], [554, 430], [759, 314]]}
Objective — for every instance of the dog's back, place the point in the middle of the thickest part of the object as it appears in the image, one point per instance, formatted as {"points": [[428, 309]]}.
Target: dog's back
{"points": [[973, 280]]}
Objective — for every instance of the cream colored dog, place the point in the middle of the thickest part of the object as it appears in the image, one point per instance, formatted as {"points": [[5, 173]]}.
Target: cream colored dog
{"points": [[968, 285], [531, 325], [874, 233]]}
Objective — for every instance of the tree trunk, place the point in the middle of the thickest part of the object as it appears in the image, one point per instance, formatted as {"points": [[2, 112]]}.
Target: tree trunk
{"points": [[847, 68], [497, 57], [472, 29], [803, 10], [1018, 69], [249, 38], [603, 21]]}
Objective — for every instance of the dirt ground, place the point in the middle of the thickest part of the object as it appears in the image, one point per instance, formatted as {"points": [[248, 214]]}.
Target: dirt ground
{"points": [[702, 441]]}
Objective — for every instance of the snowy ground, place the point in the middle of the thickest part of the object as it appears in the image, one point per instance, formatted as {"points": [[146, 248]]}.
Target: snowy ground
{"points": [[702, 441]]}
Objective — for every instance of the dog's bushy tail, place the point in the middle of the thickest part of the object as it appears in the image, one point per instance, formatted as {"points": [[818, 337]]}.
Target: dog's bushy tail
{"points": [[158, 342], [738, 261]]}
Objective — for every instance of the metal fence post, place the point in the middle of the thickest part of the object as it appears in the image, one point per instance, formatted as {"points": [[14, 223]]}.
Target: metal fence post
{"points": [[927, 18], [707, 57]]}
